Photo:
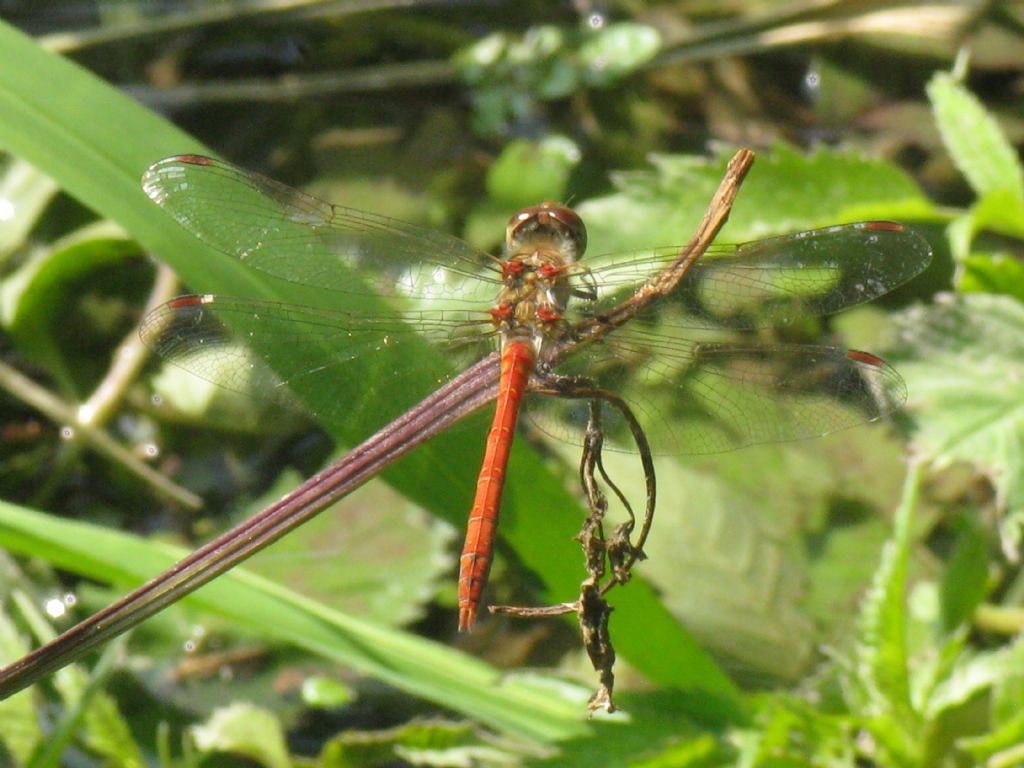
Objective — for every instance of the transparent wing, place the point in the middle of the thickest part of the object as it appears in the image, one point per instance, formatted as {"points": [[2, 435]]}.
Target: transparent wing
{"points": [[694, 392], [772, 281], [707, 396], [264, 349], [698, 385], [285, 233]]}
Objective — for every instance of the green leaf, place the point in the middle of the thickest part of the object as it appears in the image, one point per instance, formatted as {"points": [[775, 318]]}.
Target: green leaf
{"points": [[510, 75], [244, 729], [976, 143], [965, 579], [998, 210], [993, 274], [742, 593], [1008, 696], [475, 61], [735, 569], [785, 191], [96, 143], [21, 732], [324, 693], [658, 718], [106, 731], [698, 752], [963, 361], [432, 743], [29, 296], [528, 171], [374, 555], [187, 397], [24, 194], [616, 50], [1001, 746], [969, 675], [791, 732], [86, 707], [881, 675]]}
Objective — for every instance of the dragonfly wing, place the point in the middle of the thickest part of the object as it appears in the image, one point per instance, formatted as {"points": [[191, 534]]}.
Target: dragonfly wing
{"points": [[774, 281], [294, 347], [296, 237], [702, 397]]}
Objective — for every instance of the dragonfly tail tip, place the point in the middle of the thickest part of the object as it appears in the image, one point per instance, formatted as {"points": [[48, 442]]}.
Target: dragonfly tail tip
{"points": [[467, 616]]}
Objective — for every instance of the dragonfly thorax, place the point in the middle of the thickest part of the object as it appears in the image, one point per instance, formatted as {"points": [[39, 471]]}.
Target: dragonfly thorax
{"points": [[535, 291], [542, 244]]}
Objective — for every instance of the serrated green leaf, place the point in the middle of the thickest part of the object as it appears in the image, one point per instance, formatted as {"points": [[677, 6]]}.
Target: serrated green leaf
{"points": [[882, 673], [459, 757], [247, 730], [963, 361], [967, 675], [423, 742], [790, 731], [742, 593], [108, 734], [975, 141]]}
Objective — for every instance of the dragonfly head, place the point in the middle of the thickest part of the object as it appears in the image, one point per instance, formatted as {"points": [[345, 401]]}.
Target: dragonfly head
{"points": [[544, 223]]}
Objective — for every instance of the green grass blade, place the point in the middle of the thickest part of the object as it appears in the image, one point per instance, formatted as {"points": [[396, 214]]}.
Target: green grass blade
{"points": [[411, 663]]}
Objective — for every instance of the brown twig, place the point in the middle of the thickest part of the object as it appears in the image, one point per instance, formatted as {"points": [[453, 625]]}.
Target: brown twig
{"points": [[664, 282]]}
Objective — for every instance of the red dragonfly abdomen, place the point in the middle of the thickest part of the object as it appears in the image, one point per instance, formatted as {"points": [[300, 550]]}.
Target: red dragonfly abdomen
{"points": [[516, 365]]}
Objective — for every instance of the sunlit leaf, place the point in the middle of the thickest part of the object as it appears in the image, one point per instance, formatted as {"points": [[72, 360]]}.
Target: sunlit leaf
{"points": [[962, 360], [244, 729], [978, 145], [786, 191]]}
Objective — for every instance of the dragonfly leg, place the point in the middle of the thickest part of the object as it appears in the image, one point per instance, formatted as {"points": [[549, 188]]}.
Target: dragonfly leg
{"points": [[622, 554]]}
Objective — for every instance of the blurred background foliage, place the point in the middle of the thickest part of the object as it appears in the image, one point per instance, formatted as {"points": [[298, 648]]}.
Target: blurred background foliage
{"points": [[849, 610]]}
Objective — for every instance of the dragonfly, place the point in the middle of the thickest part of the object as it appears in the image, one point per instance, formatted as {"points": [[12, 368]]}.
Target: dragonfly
{"points": [[689, 357]]}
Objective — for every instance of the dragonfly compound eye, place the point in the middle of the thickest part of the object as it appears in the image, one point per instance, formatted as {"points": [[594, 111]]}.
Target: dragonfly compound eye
{"points": [[544, 221]]}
